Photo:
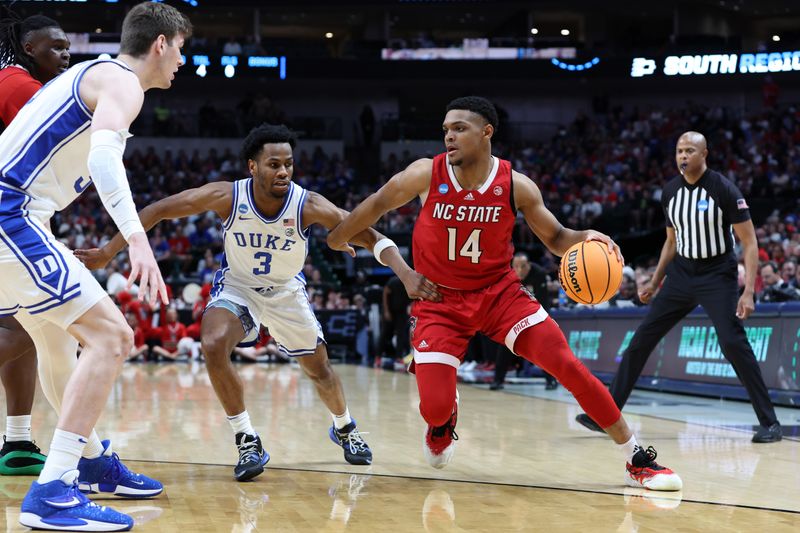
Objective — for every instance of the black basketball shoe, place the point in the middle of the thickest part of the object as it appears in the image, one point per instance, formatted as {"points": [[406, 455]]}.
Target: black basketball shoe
{"points": [[252, 457], [356, 451]]}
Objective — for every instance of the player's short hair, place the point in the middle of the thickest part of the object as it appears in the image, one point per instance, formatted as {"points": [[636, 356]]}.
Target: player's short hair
{"points": [[266, 134], [478, 105], [146, 21], [13, 32]]}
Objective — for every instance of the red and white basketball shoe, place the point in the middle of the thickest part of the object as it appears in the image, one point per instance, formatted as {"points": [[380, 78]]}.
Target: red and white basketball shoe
{"points": [[440, 442], [644, 472]]}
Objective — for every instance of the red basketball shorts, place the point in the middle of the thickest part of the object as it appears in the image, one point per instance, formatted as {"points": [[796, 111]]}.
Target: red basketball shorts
{"points": [[501, 311]]}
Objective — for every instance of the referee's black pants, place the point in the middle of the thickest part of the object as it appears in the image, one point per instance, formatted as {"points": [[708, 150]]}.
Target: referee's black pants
{"points": [[712, 284]]}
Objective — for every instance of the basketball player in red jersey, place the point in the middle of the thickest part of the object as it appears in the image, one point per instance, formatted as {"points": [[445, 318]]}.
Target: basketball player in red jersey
{"points": [[462, 242], [32, 52]]}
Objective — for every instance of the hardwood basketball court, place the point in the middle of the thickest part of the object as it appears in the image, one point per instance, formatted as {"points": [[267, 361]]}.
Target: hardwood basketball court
{"points": [[522, 463]]}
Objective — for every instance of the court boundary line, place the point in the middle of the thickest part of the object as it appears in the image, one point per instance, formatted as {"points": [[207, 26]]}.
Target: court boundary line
{"points": [[478, 482], [738, 430]]}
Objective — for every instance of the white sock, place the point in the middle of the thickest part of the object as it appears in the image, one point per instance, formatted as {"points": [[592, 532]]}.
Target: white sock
{"points": [[18, 428], [94, 447], [340, 421], [241, 423], [629, 448], [63, 456]]}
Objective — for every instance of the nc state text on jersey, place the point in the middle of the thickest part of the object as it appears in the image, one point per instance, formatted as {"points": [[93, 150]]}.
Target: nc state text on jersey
{"points": [[467, 213]]}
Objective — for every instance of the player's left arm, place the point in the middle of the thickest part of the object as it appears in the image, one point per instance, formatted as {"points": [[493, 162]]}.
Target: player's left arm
{"points": [[319, 210], [557, 238]]}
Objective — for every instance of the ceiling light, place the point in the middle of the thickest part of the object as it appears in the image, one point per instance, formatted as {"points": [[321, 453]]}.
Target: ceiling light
{"points": [[534, 31], [329, 35], [776, 38], [565, 32]]}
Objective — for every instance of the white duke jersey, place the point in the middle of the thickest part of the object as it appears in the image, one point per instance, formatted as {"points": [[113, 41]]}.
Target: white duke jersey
{"points": [[263, 252], [45, 149]]}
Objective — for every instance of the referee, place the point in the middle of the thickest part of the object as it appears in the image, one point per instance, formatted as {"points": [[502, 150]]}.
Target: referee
{"points": [[698, 260]]}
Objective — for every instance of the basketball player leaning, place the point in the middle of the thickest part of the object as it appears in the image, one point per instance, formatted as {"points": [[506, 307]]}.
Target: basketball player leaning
{"points": [[462, 242], [266, 220], [33, 51], [76, 127], [700, 266]]}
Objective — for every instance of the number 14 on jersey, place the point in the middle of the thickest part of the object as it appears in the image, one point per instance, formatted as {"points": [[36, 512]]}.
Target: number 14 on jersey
{"points": [[471, 247]]}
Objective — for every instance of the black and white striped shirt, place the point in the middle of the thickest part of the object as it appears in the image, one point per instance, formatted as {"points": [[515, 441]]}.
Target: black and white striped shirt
{"points": [[702, 214]]}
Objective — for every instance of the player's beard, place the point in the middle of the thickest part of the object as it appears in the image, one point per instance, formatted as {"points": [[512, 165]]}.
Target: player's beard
{"points": [[455, 162]]}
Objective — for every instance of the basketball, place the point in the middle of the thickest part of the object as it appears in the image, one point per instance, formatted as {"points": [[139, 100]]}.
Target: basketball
{"points": [[589, 273]]}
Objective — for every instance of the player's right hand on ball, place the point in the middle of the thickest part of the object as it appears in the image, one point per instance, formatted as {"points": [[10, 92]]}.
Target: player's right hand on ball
{"points": [[93, 258], [419, 287]]}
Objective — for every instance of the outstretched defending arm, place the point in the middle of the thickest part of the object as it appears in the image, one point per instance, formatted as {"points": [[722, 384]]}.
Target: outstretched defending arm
{"points": [[319, 210], [544, 224], [398, 191], [211, 197]]}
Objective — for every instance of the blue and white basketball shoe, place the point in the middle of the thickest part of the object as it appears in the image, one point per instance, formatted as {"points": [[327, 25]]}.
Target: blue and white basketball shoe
{"points": [[60, 506], [107, 474], [356, 450]]}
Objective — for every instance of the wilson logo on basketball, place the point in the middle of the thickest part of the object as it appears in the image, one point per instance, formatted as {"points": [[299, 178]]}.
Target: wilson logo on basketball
{"points": [[572, 268]]}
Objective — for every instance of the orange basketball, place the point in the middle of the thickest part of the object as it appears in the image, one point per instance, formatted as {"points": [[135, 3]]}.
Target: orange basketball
{"points": [[589, 273]]}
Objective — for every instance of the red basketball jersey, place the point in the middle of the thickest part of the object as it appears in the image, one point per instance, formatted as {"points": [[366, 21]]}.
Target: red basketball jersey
{"points": [[462, 238]]}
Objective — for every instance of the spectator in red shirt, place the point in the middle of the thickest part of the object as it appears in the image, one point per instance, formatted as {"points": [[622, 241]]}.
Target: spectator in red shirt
{"points": [[198, 308], [171, 334], [139, 341], [32, 52]]}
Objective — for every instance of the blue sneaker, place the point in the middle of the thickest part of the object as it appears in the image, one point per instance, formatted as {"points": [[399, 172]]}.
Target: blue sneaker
{"points": [[60, 506], [107, 474], [356, 451]]}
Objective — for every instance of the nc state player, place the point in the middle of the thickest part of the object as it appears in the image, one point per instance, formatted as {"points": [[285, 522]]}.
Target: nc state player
{"points": [[462, 242]]}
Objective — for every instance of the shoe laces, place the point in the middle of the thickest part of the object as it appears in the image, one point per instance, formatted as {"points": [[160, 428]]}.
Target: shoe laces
{"points": [[75, 492], [650, 455], [354, 440], [20, 446], [440, 431], [249, 451], [116, 469]]}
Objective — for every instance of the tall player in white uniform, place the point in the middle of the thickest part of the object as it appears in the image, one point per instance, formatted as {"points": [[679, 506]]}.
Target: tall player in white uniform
{"points": [[70, 134], [266, 220]]}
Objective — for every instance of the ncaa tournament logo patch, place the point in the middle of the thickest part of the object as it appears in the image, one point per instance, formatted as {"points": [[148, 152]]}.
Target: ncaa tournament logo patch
{"points": [[443, 188], [498, 190], [243, 208], [702, 205]]}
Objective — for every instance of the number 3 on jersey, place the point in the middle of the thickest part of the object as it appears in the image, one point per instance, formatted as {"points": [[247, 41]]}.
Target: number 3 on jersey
{"points": [[471, 247], [264, 268]]}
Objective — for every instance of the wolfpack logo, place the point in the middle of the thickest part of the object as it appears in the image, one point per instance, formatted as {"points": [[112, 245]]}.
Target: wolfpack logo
{"points": [[498, 190], [469, 196]]}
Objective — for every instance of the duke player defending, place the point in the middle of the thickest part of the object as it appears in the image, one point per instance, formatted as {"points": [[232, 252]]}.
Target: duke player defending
{"points": [[70, 134], [266, 220], [462, 242]]}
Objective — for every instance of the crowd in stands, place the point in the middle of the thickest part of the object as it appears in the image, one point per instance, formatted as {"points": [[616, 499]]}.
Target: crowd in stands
{"points": [[603, 171]]}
